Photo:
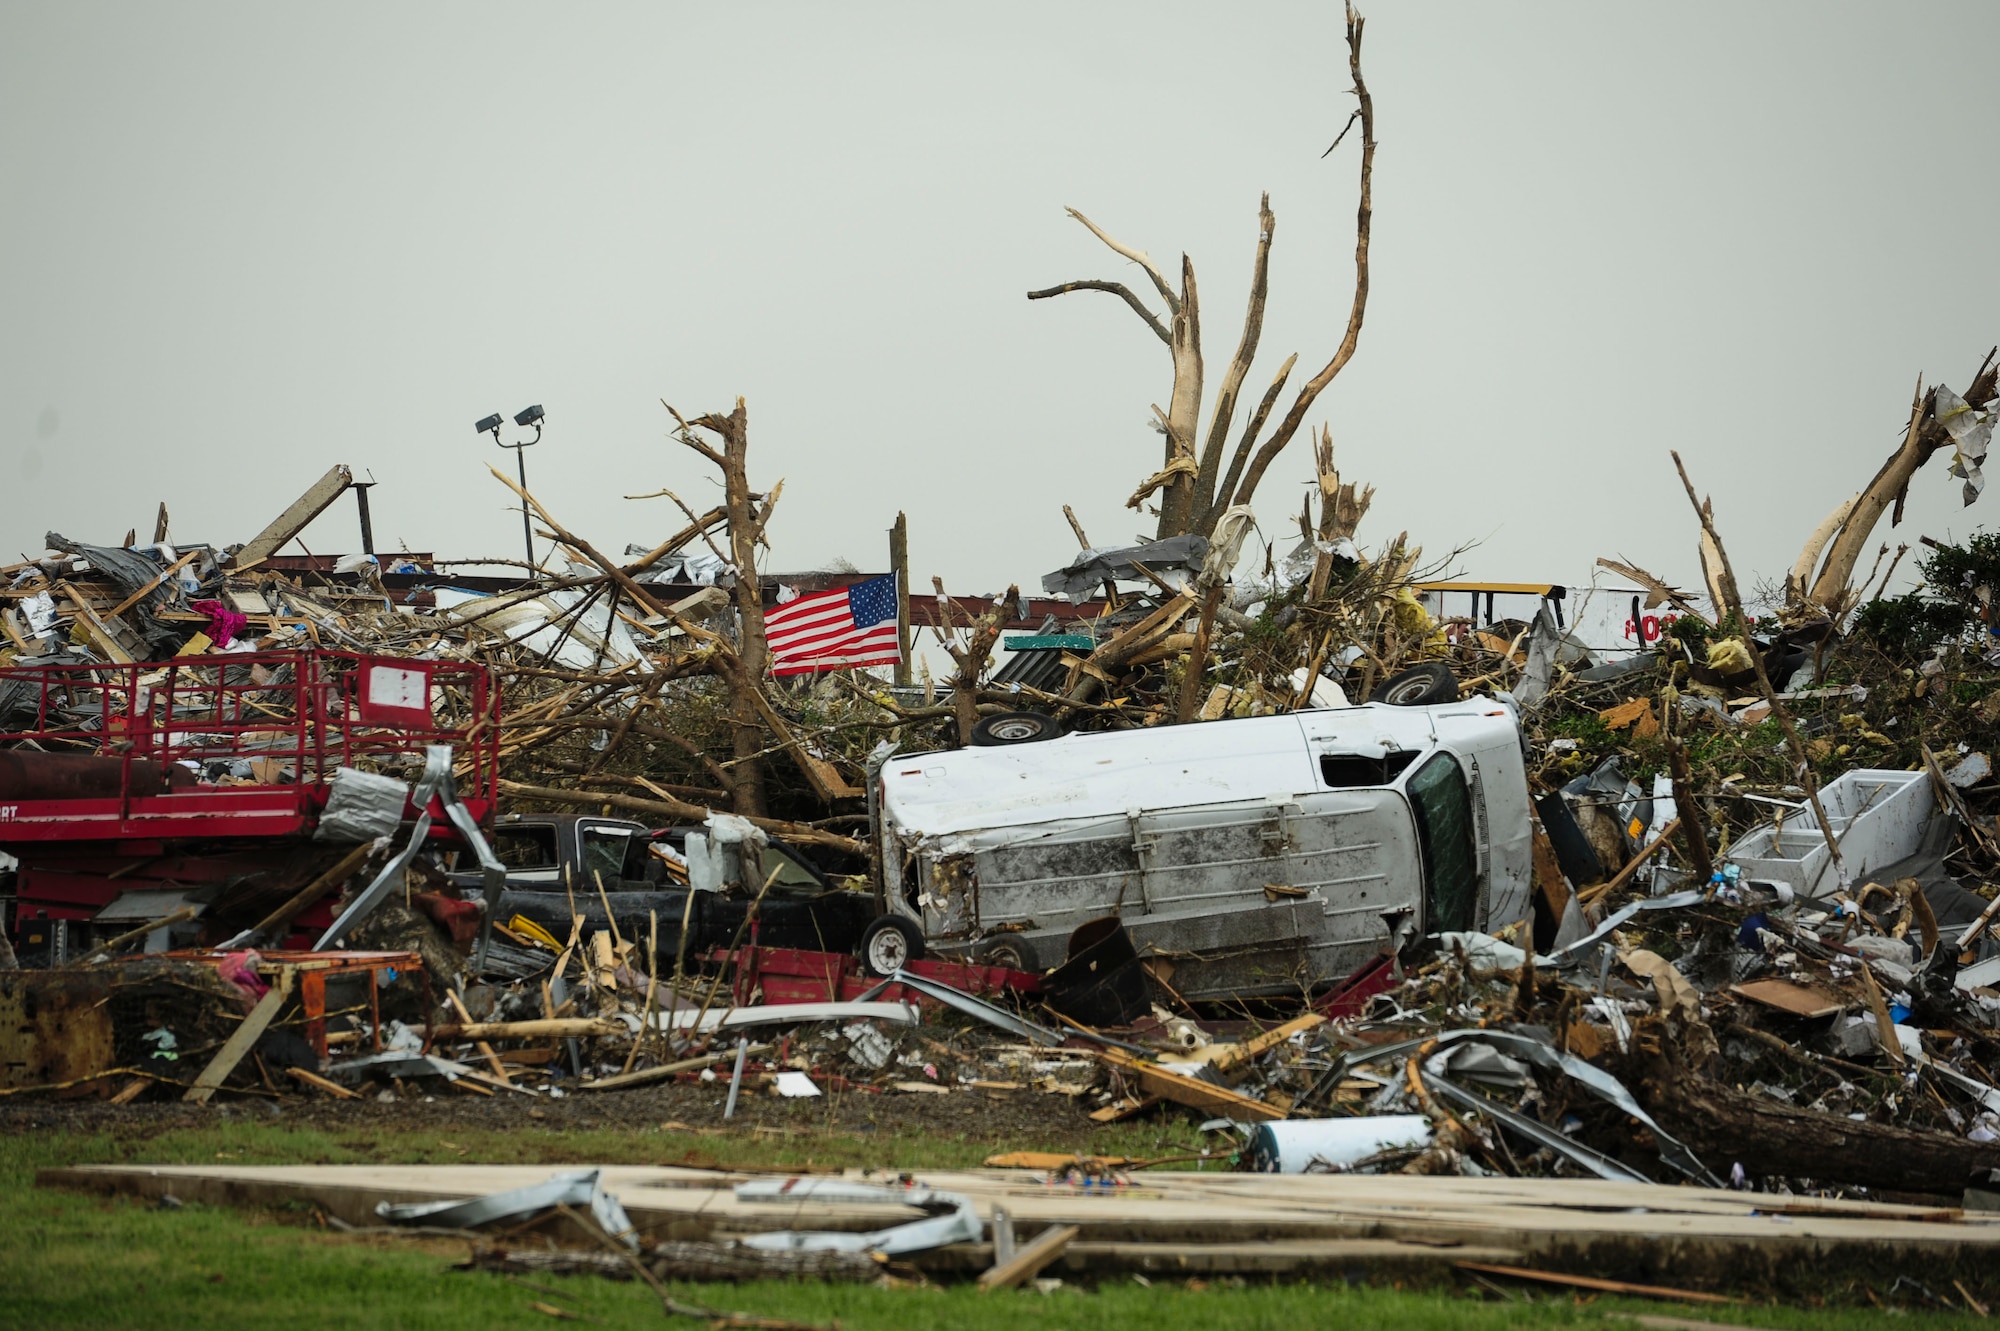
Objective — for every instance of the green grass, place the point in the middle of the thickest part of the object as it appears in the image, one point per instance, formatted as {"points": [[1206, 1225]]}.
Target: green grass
{"points": [[72, 1260]]}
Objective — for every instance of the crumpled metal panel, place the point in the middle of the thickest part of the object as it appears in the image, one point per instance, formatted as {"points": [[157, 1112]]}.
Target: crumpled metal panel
{"points": [[578, 1187], [953, 1221], [54, 1027], [1089, 569]]}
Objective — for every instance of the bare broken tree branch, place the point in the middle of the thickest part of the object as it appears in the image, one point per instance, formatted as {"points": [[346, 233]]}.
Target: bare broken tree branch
{"points": [[1364, 217], [1251, 428], [1889, 488], [1224, 412], [1139, 257], [971, 658], [1118, 289], [1726, 585]]}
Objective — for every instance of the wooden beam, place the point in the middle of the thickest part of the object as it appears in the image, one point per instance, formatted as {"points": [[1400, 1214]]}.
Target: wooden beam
{"points": [[147, 590], [559, 1028], [485, 1049], [332, 1088], [312, 892], [294, 519], [237, 1045], [660, 1073], [1248, 1052], [1027, 1262], [95, 628], [1592, 1282], [1208, 1098]]}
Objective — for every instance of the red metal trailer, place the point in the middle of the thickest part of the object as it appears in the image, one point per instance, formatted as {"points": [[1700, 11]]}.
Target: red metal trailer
{"points": [[211, 772]]}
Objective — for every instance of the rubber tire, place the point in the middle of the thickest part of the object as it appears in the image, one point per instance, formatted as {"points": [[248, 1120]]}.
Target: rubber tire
{"points": [[908, 941], [1424, 685], [1008, 955], [1014, 728]]}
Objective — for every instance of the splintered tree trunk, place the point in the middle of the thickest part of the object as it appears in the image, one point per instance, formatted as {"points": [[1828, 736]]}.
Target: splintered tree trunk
{"points": [[1890, 487], [747, 720], [1341, 508], [748, 737], [1177, 500]]}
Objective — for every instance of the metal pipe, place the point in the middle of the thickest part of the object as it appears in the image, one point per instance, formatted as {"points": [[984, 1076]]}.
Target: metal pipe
{"points": [[527, 528], [360, 489], [736, 1077]]}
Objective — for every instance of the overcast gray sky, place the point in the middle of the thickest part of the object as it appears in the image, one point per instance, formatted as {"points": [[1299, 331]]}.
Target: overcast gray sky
{"points": [[239, 243]]}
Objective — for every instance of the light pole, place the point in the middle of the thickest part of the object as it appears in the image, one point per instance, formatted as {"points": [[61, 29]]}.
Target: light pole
{"points": [[525, 417]]}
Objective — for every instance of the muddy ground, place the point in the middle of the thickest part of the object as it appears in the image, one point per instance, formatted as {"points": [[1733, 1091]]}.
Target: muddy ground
{"points": [[1059, 1121]]}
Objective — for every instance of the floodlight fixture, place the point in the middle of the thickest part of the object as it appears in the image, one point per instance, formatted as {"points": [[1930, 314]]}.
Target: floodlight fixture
{"points": [[525, 417]]}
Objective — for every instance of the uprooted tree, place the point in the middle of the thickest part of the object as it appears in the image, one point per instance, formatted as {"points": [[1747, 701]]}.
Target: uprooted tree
{"points": [[1193, 486]]}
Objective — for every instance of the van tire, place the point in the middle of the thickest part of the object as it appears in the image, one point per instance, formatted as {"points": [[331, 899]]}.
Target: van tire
{"points": [[889, 944], [1419, 686], [1014, 728], [1008, 955]]}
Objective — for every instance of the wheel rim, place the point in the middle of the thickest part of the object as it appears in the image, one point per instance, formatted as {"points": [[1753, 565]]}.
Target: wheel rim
{"points": [[888, 951], [1409, 693], [1016, 730]]}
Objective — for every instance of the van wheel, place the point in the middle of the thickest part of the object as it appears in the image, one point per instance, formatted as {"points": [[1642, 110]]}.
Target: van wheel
{"points": [[1014, 728], [1420, 686], [1008, 955], [890, 944]]}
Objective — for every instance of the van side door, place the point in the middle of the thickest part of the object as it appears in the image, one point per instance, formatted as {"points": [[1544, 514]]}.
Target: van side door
{"points": [[1441, 801]]}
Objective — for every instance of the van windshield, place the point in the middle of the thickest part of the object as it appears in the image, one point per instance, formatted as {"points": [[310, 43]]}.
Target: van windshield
{"points": [[1444, 831]]}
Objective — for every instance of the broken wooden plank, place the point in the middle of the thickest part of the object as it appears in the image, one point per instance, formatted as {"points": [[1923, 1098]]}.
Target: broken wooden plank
{"points": [[333, 1088], [95, 628], [308, 894], [560, 1028], [1248, 1052], [14, 634], [1592, 1282], [1201, 1095], [1028, 1261], [294, 519], [485, 1049], [149, 588], [238, 1044], [1046, 1160], [660, 1073], [1120, 1110]]}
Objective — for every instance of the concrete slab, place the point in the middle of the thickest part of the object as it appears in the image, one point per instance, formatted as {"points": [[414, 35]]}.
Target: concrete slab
{"points": [[1167, 1221]]}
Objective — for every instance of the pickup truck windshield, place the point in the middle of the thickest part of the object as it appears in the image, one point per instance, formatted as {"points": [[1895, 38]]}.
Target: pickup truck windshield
{"points": [[603, 852], [790, 872], [1444, 832]]}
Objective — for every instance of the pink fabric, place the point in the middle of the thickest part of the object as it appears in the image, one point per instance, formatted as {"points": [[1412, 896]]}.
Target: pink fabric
{"points": [[240, 969], [224, 624]]}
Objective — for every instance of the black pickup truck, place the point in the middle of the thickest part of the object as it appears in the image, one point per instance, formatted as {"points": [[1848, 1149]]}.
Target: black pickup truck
{"points": [[564, 864]]}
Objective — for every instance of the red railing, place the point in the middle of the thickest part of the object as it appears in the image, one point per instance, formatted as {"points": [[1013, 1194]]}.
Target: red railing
{"points": [[275, 725]]}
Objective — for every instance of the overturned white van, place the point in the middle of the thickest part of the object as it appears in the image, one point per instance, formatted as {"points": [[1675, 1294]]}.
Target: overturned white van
{"points": [[1255, 856]]}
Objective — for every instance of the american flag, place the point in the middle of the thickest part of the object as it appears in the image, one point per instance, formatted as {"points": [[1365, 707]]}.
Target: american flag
{"points": [[832, 630]]}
